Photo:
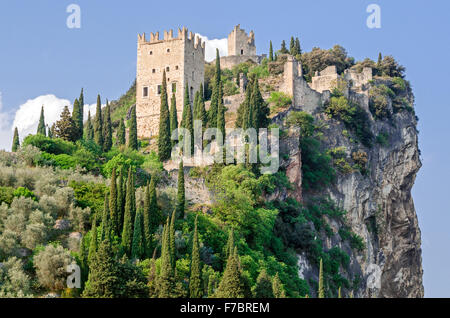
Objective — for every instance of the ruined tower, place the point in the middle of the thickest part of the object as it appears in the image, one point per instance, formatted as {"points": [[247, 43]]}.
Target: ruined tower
{"points": [[183, 58], [239, 43]]}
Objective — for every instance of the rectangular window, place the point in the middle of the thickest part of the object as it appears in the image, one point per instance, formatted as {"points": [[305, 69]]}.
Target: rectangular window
{"points": [[167, 69], [159, 90], [145, 92], [153, 70], [174, 87]]}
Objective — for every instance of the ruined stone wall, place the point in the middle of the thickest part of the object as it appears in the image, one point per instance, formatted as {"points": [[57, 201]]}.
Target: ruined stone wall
{"points": [[239, 43], [227, 62], [183, 59]]}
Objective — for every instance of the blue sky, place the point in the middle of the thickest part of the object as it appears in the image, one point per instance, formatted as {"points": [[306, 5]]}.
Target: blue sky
{"points": [[39, 56]]}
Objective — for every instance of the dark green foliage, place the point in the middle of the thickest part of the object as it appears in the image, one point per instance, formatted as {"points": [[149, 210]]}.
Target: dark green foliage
{"points": [[77, 118], [89, 195], [132, 137], [298, 49], [263, 287], [172, 240], [271, 52], [93, 242], [54, 146], [283, 49], [98, 124], [260, 111], [107, 129], [195, 280], [121, 194], [166, 282], [173, 116], [216, 94], [65, 127], [113, 209], [242, 120], [292, 50], [221, 115], [390, 67], [105, 219], [16, 142], [89, 128], [138, 244], [187, 121], [130, 206], [81, 103], [181, 197], [164, 141], [6, 195], [50, 131], [121, 133], [231, 285], [41, 125], [152, 215]]}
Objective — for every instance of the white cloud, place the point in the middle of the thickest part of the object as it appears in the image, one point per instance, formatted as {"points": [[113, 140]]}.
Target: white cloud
{"points": [[211, 45]]}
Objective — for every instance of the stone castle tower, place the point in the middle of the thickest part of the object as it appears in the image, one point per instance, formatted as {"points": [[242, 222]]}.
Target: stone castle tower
{"points": [[239, 43], [183, 58]]}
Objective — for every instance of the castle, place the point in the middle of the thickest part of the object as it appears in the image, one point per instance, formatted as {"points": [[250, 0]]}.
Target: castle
{"points": [[183, 59]]}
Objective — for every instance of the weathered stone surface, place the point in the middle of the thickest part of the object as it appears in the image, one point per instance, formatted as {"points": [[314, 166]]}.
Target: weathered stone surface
{"points": [[62, 224]]}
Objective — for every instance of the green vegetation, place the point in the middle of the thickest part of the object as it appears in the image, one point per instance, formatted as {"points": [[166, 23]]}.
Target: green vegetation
{"points": [[279, 101]]}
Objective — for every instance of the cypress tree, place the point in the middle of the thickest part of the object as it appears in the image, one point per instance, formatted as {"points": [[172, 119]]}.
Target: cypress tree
{"points": [[107, 130], [152, 215], [77, 119], [263, 287], [173, 117], [292, 46], [261, 110], [105, 218], [195, 112], [298, 49], [321, 287], [120, 201], [98, 124], [164, 142], [283, 49], [132, 137], [89, 128], [113, 210], [137, 247], [128, 221], [16, 142], [202, 115], [215, 96], [41, 125], [93, 242], [187, 121], [65, 127], [278, 288], [103, 274], [231, 285], [195, 280], [172, 240], [270, 51], [181, 197], [221, 115], [49, 133], [166, 281], [243, 110], [81, 102], [121, 133], [379, 64]]}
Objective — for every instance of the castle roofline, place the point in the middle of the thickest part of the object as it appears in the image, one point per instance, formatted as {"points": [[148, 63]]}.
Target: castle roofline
{"points": [[183, 34]]}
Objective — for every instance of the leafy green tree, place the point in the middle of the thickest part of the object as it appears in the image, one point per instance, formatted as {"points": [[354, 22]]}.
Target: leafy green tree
{"points": [[215, 96], [132, 137], [244, 109], [113, 210], [93, 241], [89, 128], [321, 287], [195, 280], [278, 288], [127, 233], [16, 142], [292, 50], [164, 141], [173, 116], [270, 52], [263, 287], [98, 124], [231, 285], [77, 119], [121, 133], [138, 245], [181, 196], [103, 274], [260, 109], [107, 129], [166, 279], [41, 125], [65, 127]]}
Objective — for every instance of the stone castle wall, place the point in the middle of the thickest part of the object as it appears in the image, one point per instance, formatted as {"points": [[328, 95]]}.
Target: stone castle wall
{"points": [[183, 59], [239, 43]]}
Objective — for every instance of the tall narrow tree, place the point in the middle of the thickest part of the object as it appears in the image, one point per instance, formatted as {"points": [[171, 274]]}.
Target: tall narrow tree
{"points": [[181, 196], [152, 216], [187, 121], [107, 129], [283, 49], [173, 116], [263, 287], [113, 210], [221, 116], [49, 132], [195, 279], [65, 127], [98, 124], [41, 125], [172, 240], [231, 285], [215, 96], [292, 50], [121, 189], [93, 241], [298, 48], [202, 115], [132, 136], [321, 287], [121, 133], [128, 221], [278, 288], [138, 244], [77, 119], [166, 280], [105, 218], [16, 142], [89, 128], [164, 142], [81, 102], [270, 51]]}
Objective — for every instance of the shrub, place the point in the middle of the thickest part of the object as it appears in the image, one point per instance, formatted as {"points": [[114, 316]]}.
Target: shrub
{"points": [[54, 146], [278, 101], [303, 120], [123, 161], [14, 282], [6, 195], [230, 88], [24, 192], [383, 139], [360, 158]]}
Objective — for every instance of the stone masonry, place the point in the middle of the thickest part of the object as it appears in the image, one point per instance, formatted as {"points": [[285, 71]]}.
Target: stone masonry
{"points": [[182, 57]]}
